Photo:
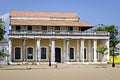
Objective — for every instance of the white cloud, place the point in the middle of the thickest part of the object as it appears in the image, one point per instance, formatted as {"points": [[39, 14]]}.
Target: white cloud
{"points": [[5, 18]]}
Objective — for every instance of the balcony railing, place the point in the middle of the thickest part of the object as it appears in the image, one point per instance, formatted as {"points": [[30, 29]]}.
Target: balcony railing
{"points": [[57, 33]]}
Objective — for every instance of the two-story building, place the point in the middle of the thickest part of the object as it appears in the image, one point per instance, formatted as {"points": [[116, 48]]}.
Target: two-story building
{"points": [[53, 36]]}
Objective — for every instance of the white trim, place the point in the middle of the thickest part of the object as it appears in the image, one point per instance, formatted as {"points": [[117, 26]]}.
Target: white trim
{"points": [[56, 63], [73, 54], [59, 37], [46, 52], [61, 51], [44, 18], [27, 52], [20, 53]]}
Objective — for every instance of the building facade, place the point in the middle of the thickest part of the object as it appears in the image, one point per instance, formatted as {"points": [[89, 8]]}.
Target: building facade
{"points": [[53, 36]]}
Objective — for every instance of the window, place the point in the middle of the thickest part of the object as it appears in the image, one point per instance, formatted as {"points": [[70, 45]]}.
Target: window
{"points": [[71, 53], [85, 55], [43, 53], [57, 27], [18, 27], [30, 52], [17, 53], [70, 28], [44, 27], [29, 27]]}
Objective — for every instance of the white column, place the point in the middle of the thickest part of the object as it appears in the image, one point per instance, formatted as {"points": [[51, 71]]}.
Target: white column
{"points": [[24, 45], [38, 50], [95, 53], [64, 50], [68, 50], [82, 50], [89, 48], [77, 55], [108, 51], [10, 50], [52, 50]]}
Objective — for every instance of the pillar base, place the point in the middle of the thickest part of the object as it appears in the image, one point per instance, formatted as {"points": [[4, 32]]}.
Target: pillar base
{"points": [[53, 62]]}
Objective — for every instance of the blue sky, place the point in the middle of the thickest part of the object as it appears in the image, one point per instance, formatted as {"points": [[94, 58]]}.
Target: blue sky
{"points": [[90, 11]]}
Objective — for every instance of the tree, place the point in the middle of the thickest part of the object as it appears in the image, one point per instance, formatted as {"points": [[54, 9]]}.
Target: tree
{"points": [[2, 32], [114, 37], [2, 29], [2, 55], [102, 50]]}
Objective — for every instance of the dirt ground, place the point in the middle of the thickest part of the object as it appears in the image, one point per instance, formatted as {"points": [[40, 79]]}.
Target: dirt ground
{"points": [[62, 72]]}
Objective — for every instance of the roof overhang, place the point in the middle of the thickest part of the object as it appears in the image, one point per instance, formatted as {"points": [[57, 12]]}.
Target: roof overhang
{"points": [[50, 23]]}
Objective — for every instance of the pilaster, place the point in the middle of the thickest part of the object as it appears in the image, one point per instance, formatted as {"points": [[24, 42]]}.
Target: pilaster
{"points": [[25, 54], [38, 50], [82, 50], [64, 50], [52, 50], [108, 51], [10, 50], [95, 48], [68, 50]]}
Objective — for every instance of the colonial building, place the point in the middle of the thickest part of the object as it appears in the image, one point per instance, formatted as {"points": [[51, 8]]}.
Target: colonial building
{"points": [[53, 36]]}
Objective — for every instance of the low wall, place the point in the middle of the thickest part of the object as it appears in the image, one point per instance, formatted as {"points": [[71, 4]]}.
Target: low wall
{"points": [[116, 59]]}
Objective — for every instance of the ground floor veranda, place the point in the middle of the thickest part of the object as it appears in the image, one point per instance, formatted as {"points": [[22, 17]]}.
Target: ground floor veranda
{"points": [[57, 50]]}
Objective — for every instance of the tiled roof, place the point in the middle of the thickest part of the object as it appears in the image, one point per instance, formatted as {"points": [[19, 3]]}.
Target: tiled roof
{"points": [[49, 23], [43, 14]]}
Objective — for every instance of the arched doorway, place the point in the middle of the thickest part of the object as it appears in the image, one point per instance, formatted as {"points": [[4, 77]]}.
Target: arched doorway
{"points": [[58, 55]]}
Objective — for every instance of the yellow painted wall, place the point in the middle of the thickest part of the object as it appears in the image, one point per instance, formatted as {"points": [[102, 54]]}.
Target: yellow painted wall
{"points": [[29, 43], [116, 59], [17, 42]]}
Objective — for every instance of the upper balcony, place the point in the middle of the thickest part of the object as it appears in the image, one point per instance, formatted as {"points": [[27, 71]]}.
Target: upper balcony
{"points": [[55, 33]]}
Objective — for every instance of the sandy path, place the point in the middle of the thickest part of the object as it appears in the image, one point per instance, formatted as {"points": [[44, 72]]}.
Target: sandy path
{"points": [[62, 74]]}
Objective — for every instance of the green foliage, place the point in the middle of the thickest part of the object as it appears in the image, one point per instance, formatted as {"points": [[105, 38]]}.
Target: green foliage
{"points": [[2, 30], [102, 49], [113, 34], [3, 55]]}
